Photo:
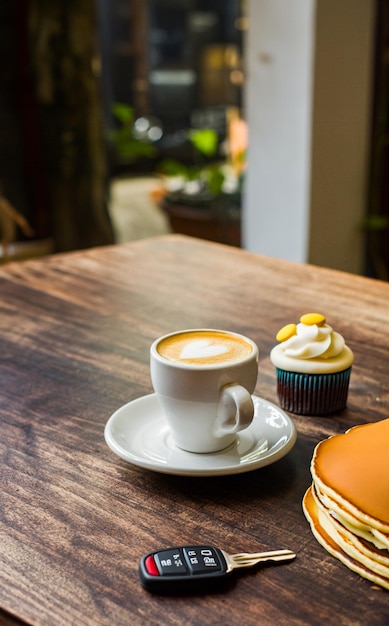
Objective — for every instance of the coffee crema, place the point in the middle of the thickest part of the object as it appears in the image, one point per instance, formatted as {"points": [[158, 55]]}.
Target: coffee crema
{"points": [[204, 347]]}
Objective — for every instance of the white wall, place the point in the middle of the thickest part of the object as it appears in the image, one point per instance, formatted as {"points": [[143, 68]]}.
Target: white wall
{"points": [[341, 127], [309, 65]]}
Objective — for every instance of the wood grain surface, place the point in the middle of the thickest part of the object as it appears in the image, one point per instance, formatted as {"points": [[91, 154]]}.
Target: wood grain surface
{"points": [[75, 519]]}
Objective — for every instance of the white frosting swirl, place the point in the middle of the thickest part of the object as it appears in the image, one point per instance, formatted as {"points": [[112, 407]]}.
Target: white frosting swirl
{"points": [[313, 349]]}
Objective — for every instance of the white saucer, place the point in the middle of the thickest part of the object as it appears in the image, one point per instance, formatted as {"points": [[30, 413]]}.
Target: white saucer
{"points": [[139, 434]]}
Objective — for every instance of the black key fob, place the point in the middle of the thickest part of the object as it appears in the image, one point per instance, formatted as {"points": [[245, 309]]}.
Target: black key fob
{"points": [[183, 569]]}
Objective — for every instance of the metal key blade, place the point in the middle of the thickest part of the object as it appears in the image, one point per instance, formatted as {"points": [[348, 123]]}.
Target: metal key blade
{"points": [[247, 559]]}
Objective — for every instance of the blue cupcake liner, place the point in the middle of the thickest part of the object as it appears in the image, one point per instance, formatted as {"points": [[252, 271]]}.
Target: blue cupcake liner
{"points": [[312, 394]]}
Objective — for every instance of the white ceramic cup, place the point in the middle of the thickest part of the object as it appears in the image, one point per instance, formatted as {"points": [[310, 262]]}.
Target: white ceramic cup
{"points": [[204, 379]]}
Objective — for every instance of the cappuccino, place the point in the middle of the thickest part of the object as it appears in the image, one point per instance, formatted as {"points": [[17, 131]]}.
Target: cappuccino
{"points": [[204, 348]]}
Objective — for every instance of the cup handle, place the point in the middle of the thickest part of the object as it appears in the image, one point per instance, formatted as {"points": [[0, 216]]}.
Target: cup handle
{"points": [[235, 410]]}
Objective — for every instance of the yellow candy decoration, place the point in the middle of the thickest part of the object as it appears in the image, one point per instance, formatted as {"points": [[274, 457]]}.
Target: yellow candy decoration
{"points": [[286, 332], [313, 318]]}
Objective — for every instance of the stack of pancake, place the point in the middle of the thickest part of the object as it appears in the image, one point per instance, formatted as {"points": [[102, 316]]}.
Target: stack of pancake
{"points": [[347, 505]]}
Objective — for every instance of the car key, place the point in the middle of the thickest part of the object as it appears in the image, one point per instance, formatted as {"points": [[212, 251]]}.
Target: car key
{"points": [[190, 568]]}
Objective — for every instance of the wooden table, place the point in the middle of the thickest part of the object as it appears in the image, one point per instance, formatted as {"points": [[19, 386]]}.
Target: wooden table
{"points": [[75, 518]]}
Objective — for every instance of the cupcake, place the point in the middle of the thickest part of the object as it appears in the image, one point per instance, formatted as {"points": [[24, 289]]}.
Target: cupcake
{"points": [[313, 367]]}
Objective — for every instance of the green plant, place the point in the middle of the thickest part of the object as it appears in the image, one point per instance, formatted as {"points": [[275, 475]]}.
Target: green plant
{"points": [[129, 147], [205, 141], [206, 178], [376, 227], [375, 222], [209, 175]]}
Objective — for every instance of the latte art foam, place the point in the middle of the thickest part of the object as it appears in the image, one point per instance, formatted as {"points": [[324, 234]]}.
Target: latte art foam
{"points": [[204, 347]]}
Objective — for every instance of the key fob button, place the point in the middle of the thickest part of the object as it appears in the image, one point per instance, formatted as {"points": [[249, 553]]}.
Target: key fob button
{"points": [[151, 566], [202, 559], [170, 562]]}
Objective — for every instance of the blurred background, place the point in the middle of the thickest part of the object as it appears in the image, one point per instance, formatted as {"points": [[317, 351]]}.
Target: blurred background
{"points": [[233, 121]]}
